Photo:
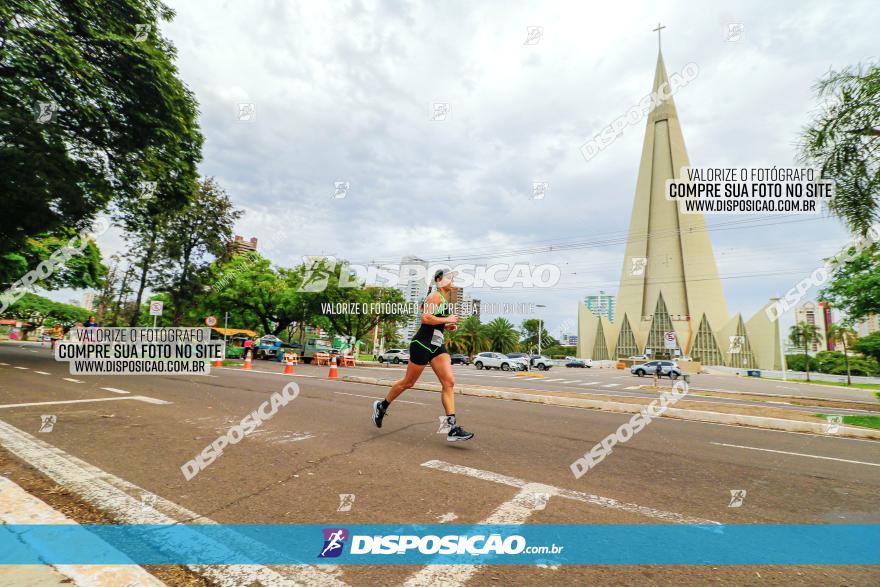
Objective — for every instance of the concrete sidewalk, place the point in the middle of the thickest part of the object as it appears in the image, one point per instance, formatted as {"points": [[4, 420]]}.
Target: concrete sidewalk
{"points": [[17, 506]]}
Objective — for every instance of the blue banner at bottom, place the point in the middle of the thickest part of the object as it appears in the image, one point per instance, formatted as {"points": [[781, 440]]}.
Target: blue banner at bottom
{"points": [[270, 544]]}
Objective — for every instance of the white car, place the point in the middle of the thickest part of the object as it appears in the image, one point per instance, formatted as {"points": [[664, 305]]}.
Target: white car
{"points": [[500, 361], [395, 356]]}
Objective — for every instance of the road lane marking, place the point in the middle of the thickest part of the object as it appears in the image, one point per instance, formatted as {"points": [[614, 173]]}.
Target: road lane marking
{"points": [[797, 454], [123, 500], [114, 390], [22, 368], [71, 380], [5, 364], [42, 372], [140, 398], [590, 383], [514, 512], [606, 502], [552, 380], [17, 506], [611, 385], [633, 387], [373, 397]]}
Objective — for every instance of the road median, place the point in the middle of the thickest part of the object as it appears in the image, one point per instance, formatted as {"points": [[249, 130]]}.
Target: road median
{"points": [[731, 414]]}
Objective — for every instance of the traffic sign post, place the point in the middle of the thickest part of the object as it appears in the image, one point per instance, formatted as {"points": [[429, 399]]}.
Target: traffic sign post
{"points": [[211, 321], [156, 307]]}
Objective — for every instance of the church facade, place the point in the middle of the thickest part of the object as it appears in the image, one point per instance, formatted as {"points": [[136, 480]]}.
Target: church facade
{"points": [[670, 302]]}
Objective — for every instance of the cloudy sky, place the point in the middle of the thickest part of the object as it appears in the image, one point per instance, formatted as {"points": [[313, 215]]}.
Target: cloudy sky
{"points": [[344, 91]]}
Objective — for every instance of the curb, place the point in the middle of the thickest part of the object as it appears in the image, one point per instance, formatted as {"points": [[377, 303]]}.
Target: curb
{"points": [[622, 407], [770, 395]]}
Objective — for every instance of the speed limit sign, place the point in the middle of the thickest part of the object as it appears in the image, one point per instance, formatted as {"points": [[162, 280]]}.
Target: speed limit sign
{"points": [[211, 321], [156, 308]]}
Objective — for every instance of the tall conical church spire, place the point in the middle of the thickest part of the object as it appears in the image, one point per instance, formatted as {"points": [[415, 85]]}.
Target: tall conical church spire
{"points": [[680, 265]]}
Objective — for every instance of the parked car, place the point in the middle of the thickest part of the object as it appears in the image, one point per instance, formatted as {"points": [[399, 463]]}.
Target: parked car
{"points": [[670, 368], [461, 359], [580, 363], [499, 361], [526, 358], [395, 356], [541, 362]]}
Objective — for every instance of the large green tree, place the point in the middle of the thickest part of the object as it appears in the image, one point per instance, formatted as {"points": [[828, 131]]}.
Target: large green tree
{"points": [[869, 346], [854, 287], [844, 143], [90, 107], [198, 230]]}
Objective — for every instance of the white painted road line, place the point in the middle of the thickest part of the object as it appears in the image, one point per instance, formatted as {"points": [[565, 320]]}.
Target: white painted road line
{"points": [[374, 397], [552, 380], [633, 387], [17, 506], [514, 512], [22, 368], [122, 500], [611, 385], [797, 454], [114, 390], [607, 502], [5, 364], [140, 398], [590, 383], [71, 380], [42, 372]]}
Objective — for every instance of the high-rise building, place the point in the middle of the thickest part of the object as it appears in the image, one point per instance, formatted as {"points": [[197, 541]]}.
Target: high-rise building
{"points": [[238, 245], [88, 301], [869, 325], [463, 304], [814, 315], [414, 289], [601, 305], [670, 301]]}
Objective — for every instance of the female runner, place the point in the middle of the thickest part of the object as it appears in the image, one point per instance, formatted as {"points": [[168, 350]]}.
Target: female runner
{"points": [[427, 347]]}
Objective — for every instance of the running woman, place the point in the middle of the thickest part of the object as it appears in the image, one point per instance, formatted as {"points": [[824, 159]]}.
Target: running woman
{"points": [[427, 347]]}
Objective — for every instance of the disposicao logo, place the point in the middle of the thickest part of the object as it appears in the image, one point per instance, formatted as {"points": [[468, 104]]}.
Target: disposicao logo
{"points": [[334, 542]]}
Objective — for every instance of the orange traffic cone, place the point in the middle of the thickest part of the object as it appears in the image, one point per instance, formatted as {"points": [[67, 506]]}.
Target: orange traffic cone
{"points": [[247, 363], [288, 368], [333, 374], [218, 363]]}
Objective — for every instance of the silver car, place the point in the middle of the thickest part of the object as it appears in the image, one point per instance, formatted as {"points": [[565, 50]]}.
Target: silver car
{"points": [[662, 368]]}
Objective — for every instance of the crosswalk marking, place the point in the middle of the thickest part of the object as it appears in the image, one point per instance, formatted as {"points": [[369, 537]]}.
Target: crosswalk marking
{"points": [[114, 390]]}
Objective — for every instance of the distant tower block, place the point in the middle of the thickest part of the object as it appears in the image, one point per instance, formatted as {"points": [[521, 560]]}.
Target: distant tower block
{"points": [[670, 298]]}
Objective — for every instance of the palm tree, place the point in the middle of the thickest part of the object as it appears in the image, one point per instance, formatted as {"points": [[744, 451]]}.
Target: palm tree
{"points": [[802, 335], [454, 341], [843, 142], [501, 335], [471, 334], [846, 335]]}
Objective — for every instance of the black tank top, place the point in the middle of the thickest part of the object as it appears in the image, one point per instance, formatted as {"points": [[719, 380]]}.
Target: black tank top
{"points": [[430, 336]]}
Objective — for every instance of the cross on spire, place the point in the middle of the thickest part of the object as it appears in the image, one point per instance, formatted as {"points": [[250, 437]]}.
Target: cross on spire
{"points": [[657, 30]]}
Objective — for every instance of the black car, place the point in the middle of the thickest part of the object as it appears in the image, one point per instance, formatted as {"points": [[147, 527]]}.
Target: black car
{"points": [[461, 360]]}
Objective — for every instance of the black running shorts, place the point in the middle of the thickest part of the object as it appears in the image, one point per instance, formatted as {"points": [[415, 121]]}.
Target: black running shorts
{"points": [[421, 355]]}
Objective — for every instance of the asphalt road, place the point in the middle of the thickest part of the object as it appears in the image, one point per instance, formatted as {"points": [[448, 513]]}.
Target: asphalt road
{"points": [[294, 468]]}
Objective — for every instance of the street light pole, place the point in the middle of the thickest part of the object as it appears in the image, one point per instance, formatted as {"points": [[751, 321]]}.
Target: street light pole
{"points": [[540, 327]]}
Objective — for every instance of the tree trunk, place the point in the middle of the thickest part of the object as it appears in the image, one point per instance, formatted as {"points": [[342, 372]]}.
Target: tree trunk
{"points": [[145, 271], [806, 362]]}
